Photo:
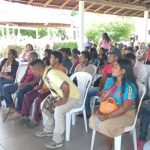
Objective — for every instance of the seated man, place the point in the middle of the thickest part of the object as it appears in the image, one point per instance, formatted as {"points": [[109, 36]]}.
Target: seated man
{"points": [[140, 69], [106, 73], [61, 86], [28, 81], [66, 62], [39, 93], [84, 65]]}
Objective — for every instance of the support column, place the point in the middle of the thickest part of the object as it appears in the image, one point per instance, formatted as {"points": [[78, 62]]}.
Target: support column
{"points": [[37, 34], [7, 31], [146, 16], [18, 34], [81, 25]]}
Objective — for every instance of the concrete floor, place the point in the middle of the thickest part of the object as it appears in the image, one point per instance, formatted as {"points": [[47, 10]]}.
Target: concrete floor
{"points": [[14, 136]]}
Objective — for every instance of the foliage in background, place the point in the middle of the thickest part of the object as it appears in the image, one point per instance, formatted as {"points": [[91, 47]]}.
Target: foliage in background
{"points": [[42, 32], [58, 45], [118, 31]]}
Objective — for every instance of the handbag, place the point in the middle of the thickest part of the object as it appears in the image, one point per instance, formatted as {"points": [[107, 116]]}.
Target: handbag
{"points": [[108, 104], [49, 104]]}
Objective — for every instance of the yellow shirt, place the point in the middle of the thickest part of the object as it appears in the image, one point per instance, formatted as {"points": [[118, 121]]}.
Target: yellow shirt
{"points": [[54, 80]]}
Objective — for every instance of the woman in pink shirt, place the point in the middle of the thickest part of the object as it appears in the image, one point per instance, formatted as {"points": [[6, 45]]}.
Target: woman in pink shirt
{"points": [[105, 42]]}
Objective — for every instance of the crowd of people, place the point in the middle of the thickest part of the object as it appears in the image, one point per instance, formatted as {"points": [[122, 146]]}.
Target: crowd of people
{"points": [[119, 67]]}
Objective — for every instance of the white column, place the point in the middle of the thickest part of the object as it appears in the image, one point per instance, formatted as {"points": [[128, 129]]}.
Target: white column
{"points": [[37, 34], [48, 32], [81, 25], [18, 35], [2, 29], [146, 16], [7, 31]]}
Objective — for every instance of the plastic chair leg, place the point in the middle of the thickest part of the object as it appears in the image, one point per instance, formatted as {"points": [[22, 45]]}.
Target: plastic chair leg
{"points": [[85, 120], [73, 119], [134, 139], [93, 139], [68, 126], [93, 101], [117, 142]]}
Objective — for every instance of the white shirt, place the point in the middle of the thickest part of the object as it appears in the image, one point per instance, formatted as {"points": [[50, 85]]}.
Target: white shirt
{"points": [[141, 71]]}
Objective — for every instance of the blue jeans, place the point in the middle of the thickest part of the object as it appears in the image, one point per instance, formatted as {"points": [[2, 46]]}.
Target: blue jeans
{"points": [[4, 81], [144, 123], [8, 90], [92, 92]]}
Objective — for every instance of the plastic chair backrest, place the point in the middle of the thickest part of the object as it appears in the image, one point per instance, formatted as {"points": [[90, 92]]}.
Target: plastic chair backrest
{"points": [[141, 91], [21, 71], [84, 81]]}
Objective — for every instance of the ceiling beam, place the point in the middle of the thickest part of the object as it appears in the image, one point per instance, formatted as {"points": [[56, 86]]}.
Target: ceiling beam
{"points": [[136, 13], [47, 3], [30, 1], [99, 8], [65, 3], [115, 4], [108, 10], [75, 7], [146, 1], [126, 12], [88, 7], [119, 10]]}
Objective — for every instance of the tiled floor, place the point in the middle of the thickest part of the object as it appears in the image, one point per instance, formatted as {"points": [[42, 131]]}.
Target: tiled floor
{"points": [[14, 136]]}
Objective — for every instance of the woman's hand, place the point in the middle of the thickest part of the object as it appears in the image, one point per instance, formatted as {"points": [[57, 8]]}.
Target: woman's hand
{"points": [[101, 116]]}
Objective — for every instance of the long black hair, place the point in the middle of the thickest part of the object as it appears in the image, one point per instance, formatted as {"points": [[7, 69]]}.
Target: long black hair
{"points": [[128, 76], [128, 67], [106, 37]]}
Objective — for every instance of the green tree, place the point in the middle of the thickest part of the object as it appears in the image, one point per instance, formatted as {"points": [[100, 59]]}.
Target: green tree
{"points": [[118, 31], [42, 32], [28, 33]]}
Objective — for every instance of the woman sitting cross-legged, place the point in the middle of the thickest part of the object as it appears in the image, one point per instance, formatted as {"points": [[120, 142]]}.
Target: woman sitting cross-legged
{"points": [[122, 89]]}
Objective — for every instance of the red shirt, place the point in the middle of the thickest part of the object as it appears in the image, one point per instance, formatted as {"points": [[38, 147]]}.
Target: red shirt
{"points": [[107, 70], [29, 76], [148, 54]]}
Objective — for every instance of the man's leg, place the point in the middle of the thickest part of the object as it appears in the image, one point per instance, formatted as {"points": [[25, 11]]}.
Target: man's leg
{"points": [[7, 91], [59, 117], [37, 112], [144, 124], [20, 96], [92, 92], [27, 102], [145, 120]]}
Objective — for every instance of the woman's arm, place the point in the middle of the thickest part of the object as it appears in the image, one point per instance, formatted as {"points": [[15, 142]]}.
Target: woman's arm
{"points": [[122, 110], [14, 68]]}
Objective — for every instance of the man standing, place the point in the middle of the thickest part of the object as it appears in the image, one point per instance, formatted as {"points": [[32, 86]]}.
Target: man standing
{"points": [[60, 85]]}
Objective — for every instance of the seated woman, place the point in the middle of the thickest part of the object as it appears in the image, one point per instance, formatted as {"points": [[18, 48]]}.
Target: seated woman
{"points": [[25, 55], [8, 69], [123, 90], [47, 55]]}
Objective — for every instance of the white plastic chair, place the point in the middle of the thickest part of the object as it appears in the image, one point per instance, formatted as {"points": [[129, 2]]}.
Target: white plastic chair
{"points": [[21, 71], [84, 81], [132, 129]]}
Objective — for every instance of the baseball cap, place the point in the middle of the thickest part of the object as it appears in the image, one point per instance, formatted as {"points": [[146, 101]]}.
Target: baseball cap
{"points": [[115, 52]]}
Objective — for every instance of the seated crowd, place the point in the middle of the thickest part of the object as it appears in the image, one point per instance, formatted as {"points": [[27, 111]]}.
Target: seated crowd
{"points": [[118, 67]]}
